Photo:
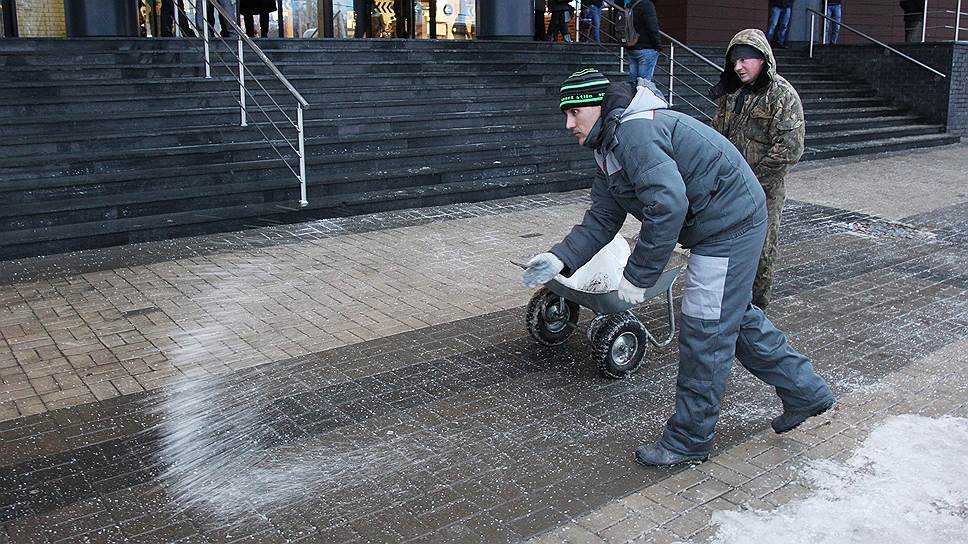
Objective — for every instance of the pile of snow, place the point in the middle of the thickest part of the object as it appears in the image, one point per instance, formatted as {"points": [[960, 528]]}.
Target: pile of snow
{"points": [[908, 483]]}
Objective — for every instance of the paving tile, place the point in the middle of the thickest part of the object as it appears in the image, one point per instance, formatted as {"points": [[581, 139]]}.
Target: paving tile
{"points": [[689, 523], [605, 517], [705, 491]]}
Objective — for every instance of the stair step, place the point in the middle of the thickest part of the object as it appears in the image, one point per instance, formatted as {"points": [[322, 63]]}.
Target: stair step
{"points": [[365, 167], [29, 242], [821, 138], [878, 146]]}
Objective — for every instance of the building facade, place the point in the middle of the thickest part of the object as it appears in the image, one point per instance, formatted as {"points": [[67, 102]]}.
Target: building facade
{"points": [[697, 22]]}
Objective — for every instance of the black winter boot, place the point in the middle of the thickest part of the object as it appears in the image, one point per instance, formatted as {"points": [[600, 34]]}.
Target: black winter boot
{"points": [[791, 419], [654, 455]]}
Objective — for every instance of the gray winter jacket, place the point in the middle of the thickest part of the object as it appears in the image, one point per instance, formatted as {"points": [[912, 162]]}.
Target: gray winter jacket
{"points": [[683, 180]]}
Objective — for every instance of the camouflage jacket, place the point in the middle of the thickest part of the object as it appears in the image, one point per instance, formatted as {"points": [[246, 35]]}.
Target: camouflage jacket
{"points": [[769, 129]]}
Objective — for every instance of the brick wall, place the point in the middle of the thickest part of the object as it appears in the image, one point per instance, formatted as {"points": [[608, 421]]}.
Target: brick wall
{"points": [[940, 100], [884, 20], [958, 95], [41, 18]]}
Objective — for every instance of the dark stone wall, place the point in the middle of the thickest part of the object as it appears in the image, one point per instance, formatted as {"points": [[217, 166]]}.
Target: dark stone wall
{"points": [[958, 95], [940, 100]]}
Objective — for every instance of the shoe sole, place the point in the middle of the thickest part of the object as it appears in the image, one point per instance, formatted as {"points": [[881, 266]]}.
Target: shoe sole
{"points": [[804, 420], [695, 461]]}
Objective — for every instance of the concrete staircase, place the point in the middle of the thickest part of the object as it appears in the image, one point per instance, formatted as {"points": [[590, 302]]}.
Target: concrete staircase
{"points": [[116, 141]]}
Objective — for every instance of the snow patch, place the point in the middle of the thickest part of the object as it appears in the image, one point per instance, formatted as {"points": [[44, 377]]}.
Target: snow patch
{"points": [[907, 483]]}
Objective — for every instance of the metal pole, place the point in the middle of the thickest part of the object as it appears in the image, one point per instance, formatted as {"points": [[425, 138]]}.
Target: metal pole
{"points": [[302, 158], [958, 20], [672, 64], [242, 81], [577, 19], [825, 22], [621, 60], [208, 58], [813, 27], [924, 22]]}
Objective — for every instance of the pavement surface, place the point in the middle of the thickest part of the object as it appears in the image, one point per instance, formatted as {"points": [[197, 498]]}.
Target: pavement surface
{"points": [[371, 379]]}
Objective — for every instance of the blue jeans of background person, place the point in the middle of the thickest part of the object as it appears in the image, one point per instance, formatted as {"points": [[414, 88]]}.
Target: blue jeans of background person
{"points": [[595, 17], [642, 63], [779, 17], [719, 322], [835, 12]]}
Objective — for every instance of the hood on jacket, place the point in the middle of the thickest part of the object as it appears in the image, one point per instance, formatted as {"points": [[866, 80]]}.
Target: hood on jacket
{"points": [[729, 81], [622, 102]]}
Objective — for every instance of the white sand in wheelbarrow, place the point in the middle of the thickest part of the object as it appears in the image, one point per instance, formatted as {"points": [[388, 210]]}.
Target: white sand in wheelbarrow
{"points": [[908, 483], [603, 272]]}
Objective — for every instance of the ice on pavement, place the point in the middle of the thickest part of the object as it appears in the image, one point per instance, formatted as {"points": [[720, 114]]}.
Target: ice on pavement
{"points": [[907, 483]]}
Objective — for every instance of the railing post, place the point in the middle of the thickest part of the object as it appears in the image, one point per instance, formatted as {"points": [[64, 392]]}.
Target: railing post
{"points": [[208, 57], [826, 23], [242, 82], [958, 20], [924, 22], [813, 27], [621, 59], [672, 65], [302, 158], [577, 19]]}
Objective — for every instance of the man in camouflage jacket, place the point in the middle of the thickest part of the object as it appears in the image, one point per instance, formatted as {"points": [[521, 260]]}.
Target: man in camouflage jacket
{"points": [[761, 114]]}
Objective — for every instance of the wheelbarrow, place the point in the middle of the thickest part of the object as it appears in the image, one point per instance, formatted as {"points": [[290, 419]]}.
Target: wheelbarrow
{"points": [[619, 340]]}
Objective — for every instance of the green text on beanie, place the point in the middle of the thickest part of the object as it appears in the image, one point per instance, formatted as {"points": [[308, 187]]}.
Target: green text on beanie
{"points": [[583, 88]]}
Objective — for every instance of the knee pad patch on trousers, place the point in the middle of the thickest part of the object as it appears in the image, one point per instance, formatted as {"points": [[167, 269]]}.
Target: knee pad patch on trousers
{"points": [[705, 281]]}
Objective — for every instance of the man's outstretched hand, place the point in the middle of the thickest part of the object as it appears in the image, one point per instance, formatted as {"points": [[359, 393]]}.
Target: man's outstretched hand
{"points": [[630, 293], [542, 268]]}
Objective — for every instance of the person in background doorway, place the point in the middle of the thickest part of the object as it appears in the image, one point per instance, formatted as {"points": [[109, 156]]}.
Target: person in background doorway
{"points": [[913, 13], [593, 10], [225, 30], [761, 114], [539, 21], [561, 15], [168, 19], [403, 10], [644, 54], [250, 8], [362, 12], [776, 31], [835, 12]]}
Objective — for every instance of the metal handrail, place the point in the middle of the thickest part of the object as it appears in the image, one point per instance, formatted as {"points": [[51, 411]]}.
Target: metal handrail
{"points": [[258, 52], [671, 70], [691, 50], [301, 102], [813, 24]]}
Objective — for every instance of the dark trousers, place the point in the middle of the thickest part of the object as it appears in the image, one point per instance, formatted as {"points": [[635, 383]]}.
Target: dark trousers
{"points": [[719, 322], [168, 19], [363, 10], [558, 24], [222, 21], [404, 11], [263, 25]]}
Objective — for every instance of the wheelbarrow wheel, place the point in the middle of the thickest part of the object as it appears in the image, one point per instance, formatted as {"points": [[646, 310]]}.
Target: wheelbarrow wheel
{"points": [[548, 322], [620, 345]]}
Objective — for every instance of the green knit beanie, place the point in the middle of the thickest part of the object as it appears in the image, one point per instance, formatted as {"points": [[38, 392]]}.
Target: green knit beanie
{"points": [[583, 88]]}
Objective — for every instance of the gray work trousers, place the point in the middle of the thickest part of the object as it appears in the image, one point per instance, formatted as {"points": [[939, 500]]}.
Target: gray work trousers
{"points": [[719, 322]]}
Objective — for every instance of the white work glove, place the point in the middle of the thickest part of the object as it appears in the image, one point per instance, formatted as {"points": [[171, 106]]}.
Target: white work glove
{"points": [[630, 293], [542, 268]]}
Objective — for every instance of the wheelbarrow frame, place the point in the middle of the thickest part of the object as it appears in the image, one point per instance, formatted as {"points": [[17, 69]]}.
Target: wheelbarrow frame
{"points": [[610, 311]]}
